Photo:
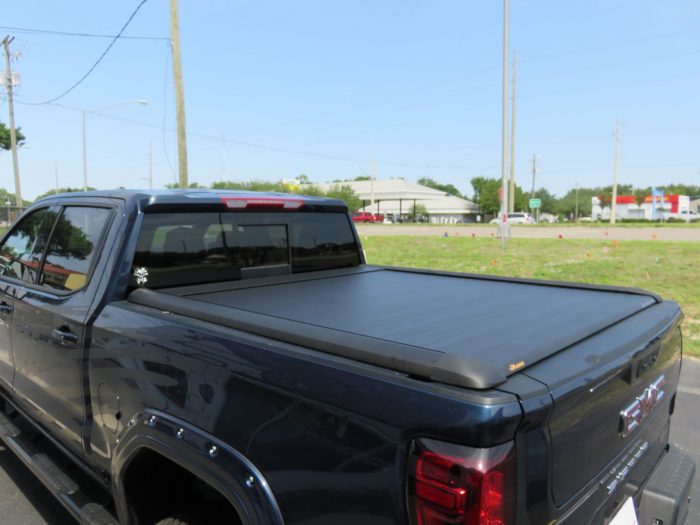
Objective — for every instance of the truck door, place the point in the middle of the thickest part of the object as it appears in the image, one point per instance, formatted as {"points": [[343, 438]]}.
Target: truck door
{"points": [[48, 325], [20, 257]]}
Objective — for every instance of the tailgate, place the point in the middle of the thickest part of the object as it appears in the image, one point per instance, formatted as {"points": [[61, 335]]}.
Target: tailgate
{"points": [[613, 394]]}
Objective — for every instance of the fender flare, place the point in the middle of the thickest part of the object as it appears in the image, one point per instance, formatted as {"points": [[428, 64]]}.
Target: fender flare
{"points": [[213, 461]]}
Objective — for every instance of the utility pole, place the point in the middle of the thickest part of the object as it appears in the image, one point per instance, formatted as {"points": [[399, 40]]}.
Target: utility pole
{"points": [[179, 95], [222, 161], [613, 204], [534, 172], [372, 177], [85, 184], [576, 212], [503, 225], [532, 191], [511, 188], [55, 169], [10, 105]]}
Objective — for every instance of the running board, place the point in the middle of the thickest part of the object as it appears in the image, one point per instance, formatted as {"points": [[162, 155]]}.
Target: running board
{"points": [[61, 485]]}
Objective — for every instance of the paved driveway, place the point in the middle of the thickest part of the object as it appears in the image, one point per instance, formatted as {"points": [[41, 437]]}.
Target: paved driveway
{"points": [[24, 501]]}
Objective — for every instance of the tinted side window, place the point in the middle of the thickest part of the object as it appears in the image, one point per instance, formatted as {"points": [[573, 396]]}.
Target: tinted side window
{"points": [[323, 241], [72, 246], [20, 255], [196, 247]]}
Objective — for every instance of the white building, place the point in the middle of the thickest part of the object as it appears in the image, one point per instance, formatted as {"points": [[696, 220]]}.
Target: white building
{"points": [[397, 197], [695, 204], [628, 207]]}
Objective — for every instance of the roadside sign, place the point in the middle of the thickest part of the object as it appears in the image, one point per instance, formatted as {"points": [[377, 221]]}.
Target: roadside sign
{"points": [[535, 203]]}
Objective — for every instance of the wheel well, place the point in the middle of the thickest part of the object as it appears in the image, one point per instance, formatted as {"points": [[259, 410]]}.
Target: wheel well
{"points": [[157, 488]]}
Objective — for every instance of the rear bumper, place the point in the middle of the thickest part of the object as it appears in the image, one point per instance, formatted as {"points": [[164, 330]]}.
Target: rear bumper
{"points": [[665, 497]]}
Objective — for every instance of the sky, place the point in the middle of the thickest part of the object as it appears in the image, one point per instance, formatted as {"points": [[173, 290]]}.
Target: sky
{"points": [[276, 88]]}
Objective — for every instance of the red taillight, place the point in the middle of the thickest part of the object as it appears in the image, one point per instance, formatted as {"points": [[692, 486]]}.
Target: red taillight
{"points": [[242, 203], [455, 485]]}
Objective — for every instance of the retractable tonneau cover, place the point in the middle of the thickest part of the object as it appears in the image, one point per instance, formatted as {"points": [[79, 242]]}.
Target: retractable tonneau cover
{"points": [[471, 331]]}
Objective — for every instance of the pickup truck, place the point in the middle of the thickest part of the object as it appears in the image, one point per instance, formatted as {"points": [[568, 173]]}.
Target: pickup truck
{"points": [[188, 357]]}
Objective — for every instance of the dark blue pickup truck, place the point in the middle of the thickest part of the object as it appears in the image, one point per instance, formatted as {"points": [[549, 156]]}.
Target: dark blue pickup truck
{"points": [[194, 357]]}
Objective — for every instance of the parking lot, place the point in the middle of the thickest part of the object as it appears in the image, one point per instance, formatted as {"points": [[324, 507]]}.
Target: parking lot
{"points": [[24, 501]]}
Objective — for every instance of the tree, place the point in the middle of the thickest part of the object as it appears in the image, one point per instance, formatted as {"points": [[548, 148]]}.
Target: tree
{"points": [[447, 188], [549, 201], [6, 196], [417, 211], [5, 142], [345, 193], [60, 190], [486, 194], [566, 205], [522, 199], [605, 197], [191, 186], [339, 191]]}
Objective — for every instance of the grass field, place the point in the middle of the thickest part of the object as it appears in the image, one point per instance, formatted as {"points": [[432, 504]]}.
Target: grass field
{"points": [[671, 269], [693, 224]]}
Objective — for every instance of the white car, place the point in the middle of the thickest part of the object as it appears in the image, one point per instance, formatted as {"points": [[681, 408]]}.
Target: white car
{"points": [[516, 218]]}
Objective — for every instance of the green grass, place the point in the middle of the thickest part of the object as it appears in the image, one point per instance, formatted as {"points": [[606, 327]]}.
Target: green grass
{"points": [[671, 269], [693, 224]]}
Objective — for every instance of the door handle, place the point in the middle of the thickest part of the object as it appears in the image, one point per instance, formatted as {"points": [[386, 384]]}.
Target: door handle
{"points": [[5, 308], [64, 336]]}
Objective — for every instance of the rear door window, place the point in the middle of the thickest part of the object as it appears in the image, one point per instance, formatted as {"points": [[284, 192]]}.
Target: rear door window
{"points": [[73, 246]]}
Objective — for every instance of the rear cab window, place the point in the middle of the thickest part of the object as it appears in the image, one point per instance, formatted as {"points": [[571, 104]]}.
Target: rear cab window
{"points": [[198, 247]]}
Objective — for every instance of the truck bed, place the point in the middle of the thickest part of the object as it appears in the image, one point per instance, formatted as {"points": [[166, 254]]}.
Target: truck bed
{"points": [[458, 329]]}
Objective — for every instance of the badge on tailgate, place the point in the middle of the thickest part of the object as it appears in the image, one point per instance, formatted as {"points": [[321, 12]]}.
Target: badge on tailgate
{"points": [[632, 416]]}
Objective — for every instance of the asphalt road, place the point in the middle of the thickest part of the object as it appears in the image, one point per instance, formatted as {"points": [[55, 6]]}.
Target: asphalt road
{"points": [[24, 501], [538, 232]]}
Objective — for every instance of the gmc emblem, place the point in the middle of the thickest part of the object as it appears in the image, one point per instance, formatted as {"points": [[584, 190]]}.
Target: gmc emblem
{"points": [[633, 415]]}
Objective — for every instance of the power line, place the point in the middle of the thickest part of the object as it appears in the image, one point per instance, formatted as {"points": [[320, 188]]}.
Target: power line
{"points": [[27, 30], [277, 149], [606, 47], [266, 147], [114, 40]]}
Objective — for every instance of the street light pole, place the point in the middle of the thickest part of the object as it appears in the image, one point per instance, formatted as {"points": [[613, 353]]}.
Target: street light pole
{"points": [[85, 112], [503, 224]]}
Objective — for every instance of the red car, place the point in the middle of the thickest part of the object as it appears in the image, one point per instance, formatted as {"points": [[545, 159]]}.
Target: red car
{"points": [[363, 216]]}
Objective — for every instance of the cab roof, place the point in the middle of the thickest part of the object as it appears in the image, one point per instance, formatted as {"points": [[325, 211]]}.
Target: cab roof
{"points": [[157, 200]]}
